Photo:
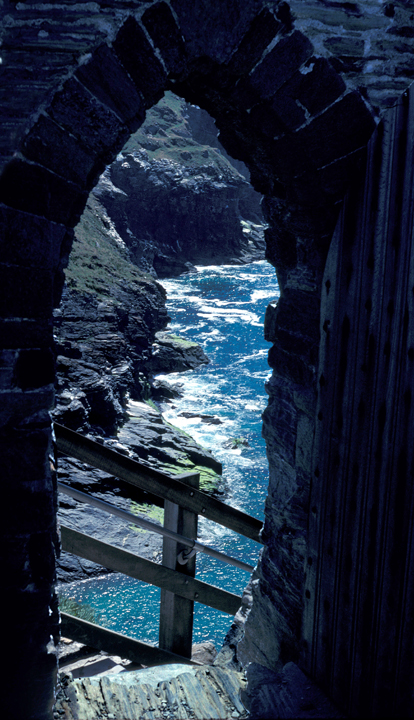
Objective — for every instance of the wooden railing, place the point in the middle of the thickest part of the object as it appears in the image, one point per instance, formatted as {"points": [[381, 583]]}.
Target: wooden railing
{"points": [[183, 501]]}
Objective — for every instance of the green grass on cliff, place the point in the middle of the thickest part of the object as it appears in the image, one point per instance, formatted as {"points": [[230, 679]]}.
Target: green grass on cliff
{"points": [[99, 263], [150, 512], [166, 134], [182, 341], [210, 481]]}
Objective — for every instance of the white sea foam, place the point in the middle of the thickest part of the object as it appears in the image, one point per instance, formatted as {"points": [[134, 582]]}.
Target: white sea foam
{"points": [[223, 309]]}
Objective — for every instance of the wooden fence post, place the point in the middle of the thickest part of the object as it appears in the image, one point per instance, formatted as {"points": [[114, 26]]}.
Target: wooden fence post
{"points": [[176, 613]]}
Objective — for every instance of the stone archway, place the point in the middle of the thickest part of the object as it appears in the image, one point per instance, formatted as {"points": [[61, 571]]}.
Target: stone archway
{"points": [[302, 130]]}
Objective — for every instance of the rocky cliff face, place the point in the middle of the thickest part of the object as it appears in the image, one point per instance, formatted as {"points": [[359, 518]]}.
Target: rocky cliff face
{"points": [[176, 199], [172, 216], [104, 328], [169, 201]]}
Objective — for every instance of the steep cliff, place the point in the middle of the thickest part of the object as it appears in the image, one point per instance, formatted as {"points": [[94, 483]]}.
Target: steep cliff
{"points": [[178, 202], [104, 327]]}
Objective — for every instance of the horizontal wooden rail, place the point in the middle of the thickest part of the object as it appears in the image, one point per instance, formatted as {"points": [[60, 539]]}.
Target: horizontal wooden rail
{"points": [[116, 644], [136, 567], [152, 527], [156, 482]]}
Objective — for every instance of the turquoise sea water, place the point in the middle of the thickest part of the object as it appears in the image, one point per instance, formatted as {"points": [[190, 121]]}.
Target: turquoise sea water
{"points": [[223, 309]]}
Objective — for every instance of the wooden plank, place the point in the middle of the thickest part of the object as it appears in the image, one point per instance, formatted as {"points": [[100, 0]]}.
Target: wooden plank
{"points": [[176, 612], [117, 644], [153, 481], [134, 566]]}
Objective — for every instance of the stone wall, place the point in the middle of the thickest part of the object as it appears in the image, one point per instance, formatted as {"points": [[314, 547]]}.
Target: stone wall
{"points": [[296, 92]]}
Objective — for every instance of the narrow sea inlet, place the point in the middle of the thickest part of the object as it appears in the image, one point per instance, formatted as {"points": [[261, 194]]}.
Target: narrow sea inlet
{"points": [[222, 308]]}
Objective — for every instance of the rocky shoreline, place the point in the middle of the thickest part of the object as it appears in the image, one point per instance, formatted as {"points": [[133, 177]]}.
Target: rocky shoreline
{"points": [[170, 201], [147, 437]]}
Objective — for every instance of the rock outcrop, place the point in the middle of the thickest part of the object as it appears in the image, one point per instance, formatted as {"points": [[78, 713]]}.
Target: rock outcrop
{"points": [[147, 437], [177, 199], [174, 215], [172, 353]]}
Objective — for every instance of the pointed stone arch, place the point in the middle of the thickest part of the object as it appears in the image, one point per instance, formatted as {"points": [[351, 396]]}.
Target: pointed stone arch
{"points": [[301, 129]]}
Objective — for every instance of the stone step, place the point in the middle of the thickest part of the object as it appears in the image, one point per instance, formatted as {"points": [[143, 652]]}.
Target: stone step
{"points": [[164, 692]]}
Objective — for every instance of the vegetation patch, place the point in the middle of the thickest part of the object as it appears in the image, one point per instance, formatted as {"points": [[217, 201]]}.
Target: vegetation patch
{"points": [[210, 481], [167, 134], [182, 341], [81, 610], [236, 443], [151, 512], [177, 429], [99, 262]]}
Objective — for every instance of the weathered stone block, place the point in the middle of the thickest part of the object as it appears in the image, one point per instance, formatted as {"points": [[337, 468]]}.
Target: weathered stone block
{"points": [[165, 33], [290, 367], [244, 96], [26, 333], [306, 190], [296, 344], [30, 237], [270, 321], [266, 184], [345, 45], [287, 109], [34, 368], [261, 643], [289, 693], [107, 80], [264, 118], [406, 31], [304, 443], [56, 149], [259, 35], [289, 156], [138, 58], [7, 363], [25, 292], [281, 252], [282, 421], [16, 405], [18, 464], [283, 483], [280, 63], [308, 91], [88, 119], [320, 187], [212, 29], [25, 510], [33, 189], [334, 179], [299, 310], [343, 128]]}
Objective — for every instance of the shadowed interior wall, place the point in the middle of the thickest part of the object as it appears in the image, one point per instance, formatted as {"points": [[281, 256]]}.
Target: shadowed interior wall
{"points": [[359, 614]]}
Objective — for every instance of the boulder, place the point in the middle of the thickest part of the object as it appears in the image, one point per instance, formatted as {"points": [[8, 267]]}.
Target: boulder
{"points": [[172, 353]]}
